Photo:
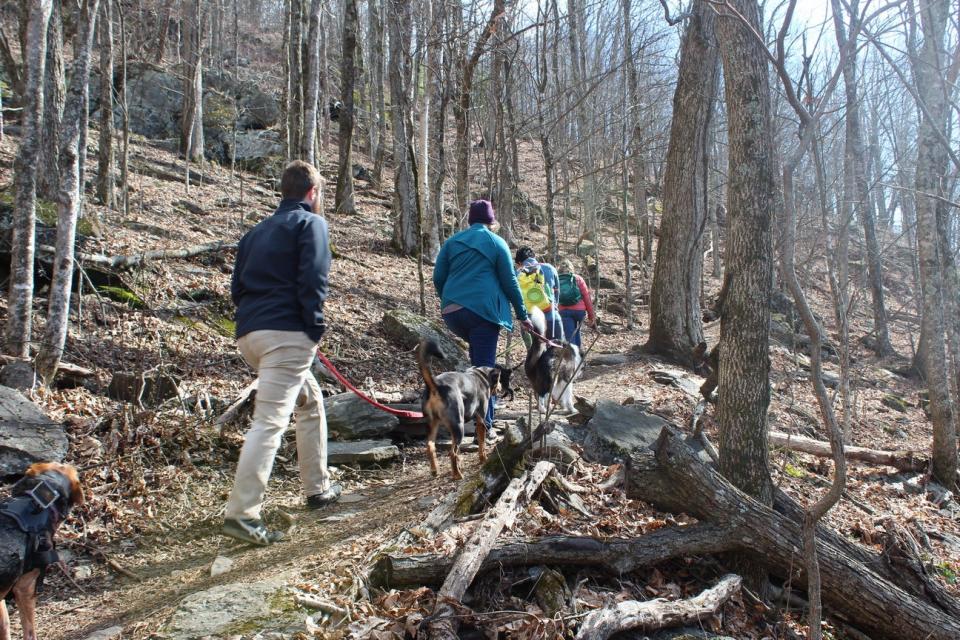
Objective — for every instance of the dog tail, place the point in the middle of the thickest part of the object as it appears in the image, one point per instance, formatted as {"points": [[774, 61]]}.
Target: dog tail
{"points": [[426, 349]]}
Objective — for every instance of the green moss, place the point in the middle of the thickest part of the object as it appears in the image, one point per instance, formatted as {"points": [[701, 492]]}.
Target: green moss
{"points": [[124, 296], [225, 326], [219, 112], [794, 472]]}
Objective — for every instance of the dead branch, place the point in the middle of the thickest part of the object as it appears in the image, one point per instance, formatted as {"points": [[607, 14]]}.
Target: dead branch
{"points": [[659, 613], [137, 259], [517, 494], [902, 460]]}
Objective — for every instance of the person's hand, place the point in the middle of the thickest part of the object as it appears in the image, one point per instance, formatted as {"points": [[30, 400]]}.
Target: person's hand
{"points": [[528, 325], [592, 323]]}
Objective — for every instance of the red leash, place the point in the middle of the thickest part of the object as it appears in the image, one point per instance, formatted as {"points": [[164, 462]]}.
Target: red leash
{"points": [[400, 413]]}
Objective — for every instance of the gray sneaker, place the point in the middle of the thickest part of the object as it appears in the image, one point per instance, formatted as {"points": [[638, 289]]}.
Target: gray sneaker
{"points": [[321, 500], [252, 531]]}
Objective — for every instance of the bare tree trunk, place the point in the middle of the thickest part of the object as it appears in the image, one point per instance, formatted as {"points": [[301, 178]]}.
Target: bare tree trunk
{"points": [[855, 162], [932, 164], [20, 298], [343, 202], [439, 97], [58, 310], [675, 318], [461, 110], [308, 148], [54, 95], [377, 55], [105, 165], [744, 371], [122, 91], [295, 113], [191, 130], [637, 163], [406, 233], [167, 14]]}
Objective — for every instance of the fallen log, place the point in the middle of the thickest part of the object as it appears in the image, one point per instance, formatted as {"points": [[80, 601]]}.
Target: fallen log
{"points": [[616, 556], [901, 460], [502, 464], [137, 259], [659, 613], [671, 477], [443, 624]]}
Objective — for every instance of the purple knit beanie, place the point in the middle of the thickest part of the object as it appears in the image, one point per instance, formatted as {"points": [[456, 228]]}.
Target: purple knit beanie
{"points": [[481, 211]]}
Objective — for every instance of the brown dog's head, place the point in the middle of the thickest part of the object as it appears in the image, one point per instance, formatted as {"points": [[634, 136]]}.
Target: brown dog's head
{"points": [[69, 477]]}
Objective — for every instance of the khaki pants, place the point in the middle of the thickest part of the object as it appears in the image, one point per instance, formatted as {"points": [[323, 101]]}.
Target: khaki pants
{"points": [[282, 360]]}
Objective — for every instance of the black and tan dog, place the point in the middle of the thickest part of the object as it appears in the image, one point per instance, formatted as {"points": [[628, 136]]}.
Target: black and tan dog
{"points": [[551, 369], [454, 397], [29, 518]]}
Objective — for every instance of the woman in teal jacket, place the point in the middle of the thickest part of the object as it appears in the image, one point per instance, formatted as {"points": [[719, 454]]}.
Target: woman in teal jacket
{"points": [[477, 285]]}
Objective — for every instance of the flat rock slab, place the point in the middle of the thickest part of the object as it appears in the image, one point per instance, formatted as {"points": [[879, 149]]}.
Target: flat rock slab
{"points": [[361, 451], [27, 435], [677, 378], [407, 329], [110, 633], [616, 430], [608, 359], [221, 609], [350, 418]]}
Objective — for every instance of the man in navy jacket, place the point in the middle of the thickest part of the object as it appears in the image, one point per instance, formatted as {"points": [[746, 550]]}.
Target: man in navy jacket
{"points": [[279, 286]]}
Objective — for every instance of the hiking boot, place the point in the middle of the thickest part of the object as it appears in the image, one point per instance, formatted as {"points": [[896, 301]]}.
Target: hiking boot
{"points": [[321, 500], [252, 531]]}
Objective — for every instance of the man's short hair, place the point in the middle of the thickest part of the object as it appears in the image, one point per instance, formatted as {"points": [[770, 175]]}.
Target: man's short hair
{"points": [[523, 253], [297, 179]]}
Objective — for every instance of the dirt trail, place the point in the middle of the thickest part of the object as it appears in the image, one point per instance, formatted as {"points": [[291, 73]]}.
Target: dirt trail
{"points": [[172, 570]]}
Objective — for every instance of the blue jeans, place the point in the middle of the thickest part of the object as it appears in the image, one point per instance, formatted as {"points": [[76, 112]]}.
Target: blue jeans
{"points": [[572, 320], [482, 336]]}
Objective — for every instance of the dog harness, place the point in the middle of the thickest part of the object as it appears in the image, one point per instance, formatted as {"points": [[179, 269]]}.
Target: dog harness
{"points": [[38, 515]]}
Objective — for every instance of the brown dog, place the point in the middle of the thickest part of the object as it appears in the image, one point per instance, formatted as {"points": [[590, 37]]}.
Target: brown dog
{"points": [[29, 518], [454, 397]]}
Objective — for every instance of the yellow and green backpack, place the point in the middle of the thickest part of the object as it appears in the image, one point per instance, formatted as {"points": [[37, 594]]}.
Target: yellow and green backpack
{"points": [[536, 292]]}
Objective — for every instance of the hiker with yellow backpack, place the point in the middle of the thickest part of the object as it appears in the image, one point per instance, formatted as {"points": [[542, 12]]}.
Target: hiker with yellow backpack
{"points": [[539, 284]]}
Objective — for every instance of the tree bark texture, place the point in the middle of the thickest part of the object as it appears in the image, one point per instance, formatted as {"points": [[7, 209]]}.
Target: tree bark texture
{"points": [[312, 94], [191, 130], [20, 298], [744, 368], [675, 318], [658, 613], [54, 95], [406, 232], [932, 165], [856, 189], [68, 205], [105, 164], [616, 556], [671, 477], [343, 202]]}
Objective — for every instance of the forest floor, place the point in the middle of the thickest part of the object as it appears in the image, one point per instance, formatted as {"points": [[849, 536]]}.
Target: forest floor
{"points": [[157, 479]]}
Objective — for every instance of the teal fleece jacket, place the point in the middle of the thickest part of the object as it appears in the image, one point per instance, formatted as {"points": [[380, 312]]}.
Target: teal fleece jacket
{"points": [[474, 269]]}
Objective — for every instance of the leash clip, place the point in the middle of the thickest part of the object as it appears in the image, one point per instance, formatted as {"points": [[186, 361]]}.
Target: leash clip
{"points": [[39, 499]]}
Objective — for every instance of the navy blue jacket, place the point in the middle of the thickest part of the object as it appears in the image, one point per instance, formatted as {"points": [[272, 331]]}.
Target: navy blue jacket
{"points": [[280, 278]]}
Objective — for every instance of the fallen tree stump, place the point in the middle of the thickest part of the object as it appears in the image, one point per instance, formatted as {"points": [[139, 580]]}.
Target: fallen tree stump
{"points": [[901, 460], [659, 613], [616, 556], [671, 477], [518, 493]]}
